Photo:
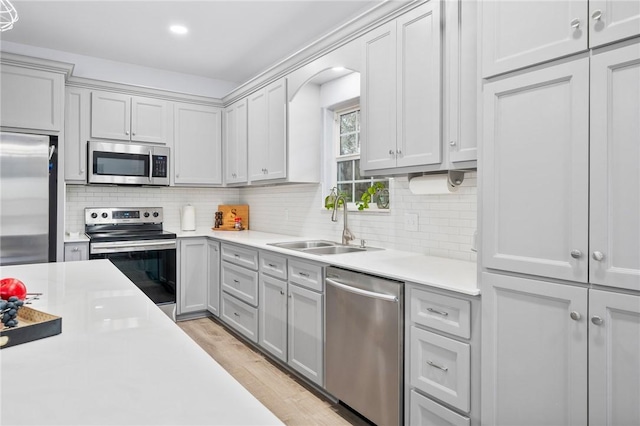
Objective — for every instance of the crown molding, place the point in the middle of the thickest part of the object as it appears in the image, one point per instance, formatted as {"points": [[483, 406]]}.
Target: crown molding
{"points": [[37, 63]]}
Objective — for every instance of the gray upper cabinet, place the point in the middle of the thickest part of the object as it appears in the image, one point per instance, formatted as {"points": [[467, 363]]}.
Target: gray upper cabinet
{"points": [[77, 122], [536, 172], [235, 143], [129, 118], [523, 33]]}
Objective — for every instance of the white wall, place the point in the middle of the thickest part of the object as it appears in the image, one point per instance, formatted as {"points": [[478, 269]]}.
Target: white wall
{"points": [[205, 201], [119, 72]]}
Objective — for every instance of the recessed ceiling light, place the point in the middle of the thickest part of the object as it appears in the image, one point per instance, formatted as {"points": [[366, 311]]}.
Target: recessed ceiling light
{"points": [[179, 29]]}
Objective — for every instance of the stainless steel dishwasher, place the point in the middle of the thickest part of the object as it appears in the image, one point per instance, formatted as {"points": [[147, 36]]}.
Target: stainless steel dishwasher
{"points": [[364, 344]]}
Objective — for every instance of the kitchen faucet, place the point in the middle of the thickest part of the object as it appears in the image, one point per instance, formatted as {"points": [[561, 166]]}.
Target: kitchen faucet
{"points": [[346, 234]]}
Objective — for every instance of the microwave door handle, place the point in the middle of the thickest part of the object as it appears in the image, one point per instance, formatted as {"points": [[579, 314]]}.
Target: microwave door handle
{"points": [[150, 166]]}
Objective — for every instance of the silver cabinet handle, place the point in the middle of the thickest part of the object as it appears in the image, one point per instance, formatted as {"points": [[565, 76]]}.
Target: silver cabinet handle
{"points": [[271, 265], [596, 15], [76, 249], [303, 274], [575, 315], [575, 23], [452, 143], [391, 152], [597, 320], [435, 311], [576, 254], [439, 367], [126, 132], [399, 151], [236, 281], [598, 255], [236, 314], [282, 292]]}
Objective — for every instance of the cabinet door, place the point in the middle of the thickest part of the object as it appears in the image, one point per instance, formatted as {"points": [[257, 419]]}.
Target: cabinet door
{"points": [[535, 189], [198, 145], [74, 252], [149, 120], [305, 336], [534, 355], [110, 116], [378, 99], [273, 316], [418, 87], [462, 80], [616, 20], [276, 94], [615, 178], [614, 354], [31, 99], [257, 135], [516, 34], [213, 276], [76, 135], [235, 142], [193, 275]]}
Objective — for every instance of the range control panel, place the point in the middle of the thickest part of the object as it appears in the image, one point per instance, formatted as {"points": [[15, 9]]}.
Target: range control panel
{"points": [[118, 215]]}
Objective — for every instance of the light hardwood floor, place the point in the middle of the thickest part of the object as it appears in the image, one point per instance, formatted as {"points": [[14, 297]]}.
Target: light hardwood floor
{"points": [[288, 398]]}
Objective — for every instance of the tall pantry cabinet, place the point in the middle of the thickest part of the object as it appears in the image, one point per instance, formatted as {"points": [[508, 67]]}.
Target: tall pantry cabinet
{"points": [[561, 214]]}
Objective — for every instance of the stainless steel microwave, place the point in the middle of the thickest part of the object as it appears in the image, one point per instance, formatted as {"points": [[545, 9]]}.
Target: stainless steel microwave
{"points": [[127, 164]]}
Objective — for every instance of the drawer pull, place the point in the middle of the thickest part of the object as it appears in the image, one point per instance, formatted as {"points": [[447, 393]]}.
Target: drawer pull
{"points": [[236, 255], [439, 367], [282, 292], [236, 314], [444, 314], [303, 274], [236, 281], [271, 265]]}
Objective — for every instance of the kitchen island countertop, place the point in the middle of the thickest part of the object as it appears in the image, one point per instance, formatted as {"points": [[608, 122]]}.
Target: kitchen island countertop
{"points": [[118, 361], [449, 274]]}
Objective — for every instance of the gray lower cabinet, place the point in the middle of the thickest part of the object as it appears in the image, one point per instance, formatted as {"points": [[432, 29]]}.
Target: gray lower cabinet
{"points": [[291, 313], [192, 275], [213, 277], [442, 357], [76, 251]]}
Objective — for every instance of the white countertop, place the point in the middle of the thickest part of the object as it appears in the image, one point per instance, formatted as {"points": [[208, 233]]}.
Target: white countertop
{"points": [[119, 360], [449, 274]]}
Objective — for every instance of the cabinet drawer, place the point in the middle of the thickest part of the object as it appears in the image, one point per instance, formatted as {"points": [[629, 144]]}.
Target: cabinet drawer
{"points": [[242, 317], [425, 412], [307, 275], [441, 367], [240, 256], [240, 282], [443, 313], [273, 265]]}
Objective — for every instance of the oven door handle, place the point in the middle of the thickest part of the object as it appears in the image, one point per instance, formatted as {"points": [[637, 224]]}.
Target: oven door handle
{"points": [[150, 166], [125, 246]]}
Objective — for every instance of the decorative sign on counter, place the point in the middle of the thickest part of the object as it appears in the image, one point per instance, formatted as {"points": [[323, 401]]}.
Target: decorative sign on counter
{"points": [[32, 325], [231, 215]]}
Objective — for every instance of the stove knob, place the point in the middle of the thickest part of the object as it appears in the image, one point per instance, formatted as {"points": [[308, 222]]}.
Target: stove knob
{"points": [[156, 214], [105, 215], [94, 215], [146, 214]]}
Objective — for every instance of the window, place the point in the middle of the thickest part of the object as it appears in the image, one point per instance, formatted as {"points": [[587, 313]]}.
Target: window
{"points": [[349, 181]]}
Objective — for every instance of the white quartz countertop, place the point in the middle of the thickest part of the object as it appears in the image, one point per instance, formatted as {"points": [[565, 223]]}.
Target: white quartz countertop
{"points": [[118, 361], [449, 274]]}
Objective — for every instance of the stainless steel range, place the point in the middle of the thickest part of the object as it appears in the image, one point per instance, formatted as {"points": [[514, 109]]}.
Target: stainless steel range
{"points": [[134, 241]]}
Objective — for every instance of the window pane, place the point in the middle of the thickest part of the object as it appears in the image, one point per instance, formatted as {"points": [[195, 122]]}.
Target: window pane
{"points": [[349, 144], [357, 170], [361, 187], [345, 170], [347, 190], [348, 122]]}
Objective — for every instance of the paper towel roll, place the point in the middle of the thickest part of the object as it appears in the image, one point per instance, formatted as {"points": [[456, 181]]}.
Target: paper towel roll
{"points": [[431, 185], [188, 218]]}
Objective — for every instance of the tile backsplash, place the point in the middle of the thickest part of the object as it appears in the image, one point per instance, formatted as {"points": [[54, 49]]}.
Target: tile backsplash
{"points": [[445, 223]]}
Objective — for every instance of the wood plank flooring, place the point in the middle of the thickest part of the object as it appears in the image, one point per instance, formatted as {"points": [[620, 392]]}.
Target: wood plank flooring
{"points": [[291, 400]]}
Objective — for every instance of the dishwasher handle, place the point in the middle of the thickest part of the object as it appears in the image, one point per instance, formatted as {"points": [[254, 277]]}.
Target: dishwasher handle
{"points": [[367, 293]]}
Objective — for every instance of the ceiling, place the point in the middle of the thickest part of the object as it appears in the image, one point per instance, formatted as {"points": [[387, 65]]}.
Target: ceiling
{"points": [[231, 40]]}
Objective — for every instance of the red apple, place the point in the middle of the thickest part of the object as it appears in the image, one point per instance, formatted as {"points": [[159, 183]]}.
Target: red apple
{"points": [[12, 287]]}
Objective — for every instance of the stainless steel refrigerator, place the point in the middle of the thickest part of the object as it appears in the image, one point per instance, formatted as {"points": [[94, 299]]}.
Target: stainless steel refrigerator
{"points": [[28, 195]]}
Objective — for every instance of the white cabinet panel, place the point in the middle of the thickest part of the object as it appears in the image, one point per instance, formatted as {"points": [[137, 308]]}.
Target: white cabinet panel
{"points": [[305, 333], [110, 116], [535, 188], [193, 282], [213, 274], [614, 358], [31, 99], [534, 355], [76, 134], [149, 120], [614, 172], [425, 412], [617, 20], [240, 282], [443, 313], [242, 317], [516, 34], [273, 316], [235, 142], [74, 252], [198, 145]]}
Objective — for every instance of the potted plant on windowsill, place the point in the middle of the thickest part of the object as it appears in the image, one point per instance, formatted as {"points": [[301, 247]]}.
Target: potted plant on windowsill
{"points": [[381, 194]]}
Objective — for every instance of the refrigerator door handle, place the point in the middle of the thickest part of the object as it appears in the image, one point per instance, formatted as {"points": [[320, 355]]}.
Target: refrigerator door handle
{"points": [[52, 149]]}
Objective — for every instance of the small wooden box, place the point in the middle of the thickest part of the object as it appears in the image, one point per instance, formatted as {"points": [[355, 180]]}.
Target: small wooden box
{"points": [[32, 325], [229, 214]]}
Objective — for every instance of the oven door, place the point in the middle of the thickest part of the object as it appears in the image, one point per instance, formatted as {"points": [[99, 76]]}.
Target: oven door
{"points": [[149, 264]]}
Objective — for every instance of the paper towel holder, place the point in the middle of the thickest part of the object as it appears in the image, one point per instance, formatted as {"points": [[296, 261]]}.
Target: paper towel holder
{"points": [[454, 177]]}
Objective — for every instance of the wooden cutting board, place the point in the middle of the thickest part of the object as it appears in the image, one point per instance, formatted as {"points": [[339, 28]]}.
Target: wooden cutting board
{"points": [[229, 214]]}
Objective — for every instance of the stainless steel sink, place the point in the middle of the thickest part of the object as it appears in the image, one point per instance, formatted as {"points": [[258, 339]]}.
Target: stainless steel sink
{"points": [[321, 247], [301, 245]]}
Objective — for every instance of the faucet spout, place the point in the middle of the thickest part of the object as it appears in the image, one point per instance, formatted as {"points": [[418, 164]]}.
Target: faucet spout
{"points": [[347, 235]]}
